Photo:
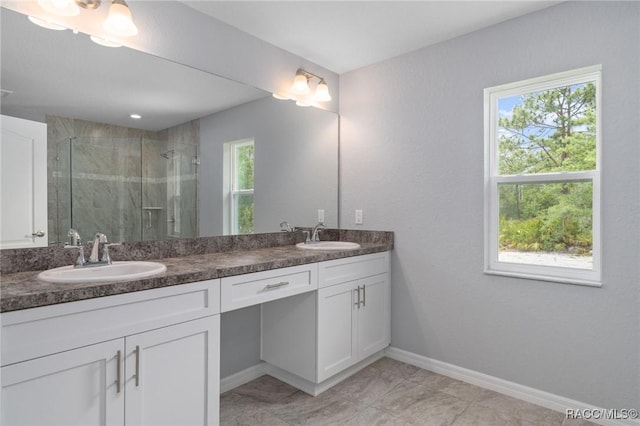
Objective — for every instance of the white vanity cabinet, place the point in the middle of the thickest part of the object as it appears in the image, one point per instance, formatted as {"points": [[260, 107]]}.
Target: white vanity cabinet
{"points": [[143, 358], [353, 311], [311, 338]]}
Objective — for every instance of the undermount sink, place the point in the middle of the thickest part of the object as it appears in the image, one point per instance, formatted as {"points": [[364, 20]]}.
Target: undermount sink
{"points": [[114, 272], [329, 245]]}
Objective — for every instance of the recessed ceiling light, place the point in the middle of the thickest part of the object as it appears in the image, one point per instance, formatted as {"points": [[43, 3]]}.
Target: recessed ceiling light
{"points": [[136, 116]]}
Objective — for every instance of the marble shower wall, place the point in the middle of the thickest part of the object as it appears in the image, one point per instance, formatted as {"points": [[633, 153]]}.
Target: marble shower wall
{"points": [[102, 176]]}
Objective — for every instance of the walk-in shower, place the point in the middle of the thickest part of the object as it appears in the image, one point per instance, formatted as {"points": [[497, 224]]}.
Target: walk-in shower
{"points": [[123, 188]]}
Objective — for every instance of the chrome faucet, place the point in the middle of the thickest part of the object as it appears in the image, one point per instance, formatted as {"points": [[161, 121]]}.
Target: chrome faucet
{"points": [[93, 260], [314, 234], [100, 239]]}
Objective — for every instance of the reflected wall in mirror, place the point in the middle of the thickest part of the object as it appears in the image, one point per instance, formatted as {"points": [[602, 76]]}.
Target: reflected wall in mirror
{"points": [[136, 180]]}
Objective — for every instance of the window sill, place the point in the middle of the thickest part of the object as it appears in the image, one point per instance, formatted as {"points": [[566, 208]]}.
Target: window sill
{"points": [[537, 277]]}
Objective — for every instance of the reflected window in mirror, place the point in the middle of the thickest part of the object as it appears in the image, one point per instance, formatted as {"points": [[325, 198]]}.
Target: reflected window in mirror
{"points": [[238, 186]]}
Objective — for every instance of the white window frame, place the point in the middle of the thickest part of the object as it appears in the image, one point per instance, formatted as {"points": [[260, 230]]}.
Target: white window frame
{"points": [[492, 179], [230, 184]]}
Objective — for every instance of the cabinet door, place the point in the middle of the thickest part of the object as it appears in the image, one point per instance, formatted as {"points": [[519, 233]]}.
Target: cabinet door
{"points": [[373, 315], [23, 178], [337, 307], [76, 387], [172, 374]]}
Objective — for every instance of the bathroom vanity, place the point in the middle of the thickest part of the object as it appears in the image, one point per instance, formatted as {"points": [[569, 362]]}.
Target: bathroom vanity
{"points": [[147, 352]]}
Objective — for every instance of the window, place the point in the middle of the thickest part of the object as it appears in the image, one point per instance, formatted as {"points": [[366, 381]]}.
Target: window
{"points": [[542, 178], [238, 182]]}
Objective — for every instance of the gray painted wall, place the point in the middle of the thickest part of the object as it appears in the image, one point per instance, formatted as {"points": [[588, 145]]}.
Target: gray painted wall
{"points": [[412, 158]]}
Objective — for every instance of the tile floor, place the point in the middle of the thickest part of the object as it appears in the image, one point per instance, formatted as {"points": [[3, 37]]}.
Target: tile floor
{"points": [[387, 392]]}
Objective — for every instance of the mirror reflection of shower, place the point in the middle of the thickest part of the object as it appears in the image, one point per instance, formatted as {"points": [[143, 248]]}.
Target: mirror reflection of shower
{"points": [[139, 187]]}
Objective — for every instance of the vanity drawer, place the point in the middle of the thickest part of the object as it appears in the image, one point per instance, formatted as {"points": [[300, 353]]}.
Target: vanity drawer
{"points": [[36, 332], [338, 271], [252, 289]]}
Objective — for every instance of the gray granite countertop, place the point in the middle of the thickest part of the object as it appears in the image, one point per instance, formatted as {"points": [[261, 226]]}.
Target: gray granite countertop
{"points": [[22, 290]]}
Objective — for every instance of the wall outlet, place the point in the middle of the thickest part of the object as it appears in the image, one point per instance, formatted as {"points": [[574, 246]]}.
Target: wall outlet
{"points": [[359, 217], [321, 215]]}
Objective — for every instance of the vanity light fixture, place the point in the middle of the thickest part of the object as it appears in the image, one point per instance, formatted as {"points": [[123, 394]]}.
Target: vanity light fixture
{"points": [[47, 24], [60, 7], [118, 22], [104, 41], [301, 87]]}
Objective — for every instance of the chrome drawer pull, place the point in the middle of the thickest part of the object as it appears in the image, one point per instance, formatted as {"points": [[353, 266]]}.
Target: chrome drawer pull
{"points": [[118, 372], [276, 285], [364, 296], [357, 291], [137, 365]]}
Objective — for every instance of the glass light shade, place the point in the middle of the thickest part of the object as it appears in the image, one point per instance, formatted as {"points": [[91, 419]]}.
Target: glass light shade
{"points": [[302, 104], [322, 92], [60, 7], [300, 85], [104, 42], [46, 24], [119, 20], [280, 96]]}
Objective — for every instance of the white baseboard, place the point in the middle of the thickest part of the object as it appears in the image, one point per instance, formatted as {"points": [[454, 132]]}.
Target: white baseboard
{"points": [[244, 376], [525, 393]]}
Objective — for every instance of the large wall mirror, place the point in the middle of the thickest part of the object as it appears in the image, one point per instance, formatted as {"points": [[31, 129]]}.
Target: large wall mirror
{"points": [[210, 156]]}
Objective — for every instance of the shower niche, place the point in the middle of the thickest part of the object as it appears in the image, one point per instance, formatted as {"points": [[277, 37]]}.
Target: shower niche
{"points": [[129, 184]]}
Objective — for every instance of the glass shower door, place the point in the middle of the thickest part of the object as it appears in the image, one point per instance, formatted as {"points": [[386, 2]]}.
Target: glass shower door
{"points": [[106, 187]]}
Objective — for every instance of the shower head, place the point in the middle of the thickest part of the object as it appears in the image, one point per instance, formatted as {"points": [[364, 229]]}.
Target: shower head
{"points": [[168, 155]]}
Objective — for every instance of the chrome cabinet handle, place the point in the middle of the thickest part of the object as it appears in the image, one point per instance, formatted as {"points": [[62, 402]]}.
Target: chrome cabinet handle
{"points": [[137, 365], [276, 285], [118, 371], [364, 296], [357, 290], [38, 234]]}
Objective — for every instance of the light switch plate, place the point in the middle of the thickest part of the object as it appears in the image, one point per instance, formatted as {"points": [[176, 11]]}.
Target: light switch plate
{"points": [[359, 217]]}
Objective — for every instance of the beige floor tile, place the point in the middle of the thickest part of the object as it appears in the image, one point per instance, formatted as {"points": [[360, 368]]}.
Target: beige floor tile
{"points": [[387, 392], [432, 380], [515, 408], [577, 422], [467, 391], [478, 415], [375, 417], [328, 408], [368, 385], [391, 366], [265, 389], [420, 404]]}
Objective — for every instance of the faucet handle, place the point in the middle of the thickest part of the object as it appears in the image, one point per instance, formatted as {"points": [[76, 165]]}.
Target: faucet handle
{"points": [[80, 260], [286, 226], [101, 238], [74, 236]]}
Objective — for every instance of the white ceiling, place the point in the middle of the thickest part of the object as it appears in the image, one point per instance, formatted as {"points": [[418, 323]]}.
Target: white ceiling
{"points": [[345, 35]]}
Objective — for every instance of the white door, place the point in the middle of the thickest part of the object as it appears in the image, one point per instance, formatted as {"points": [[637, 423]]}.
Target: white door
{"points": [[23, 183], [337, 308], [172, 375], [373, 324], [77, 387]]}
